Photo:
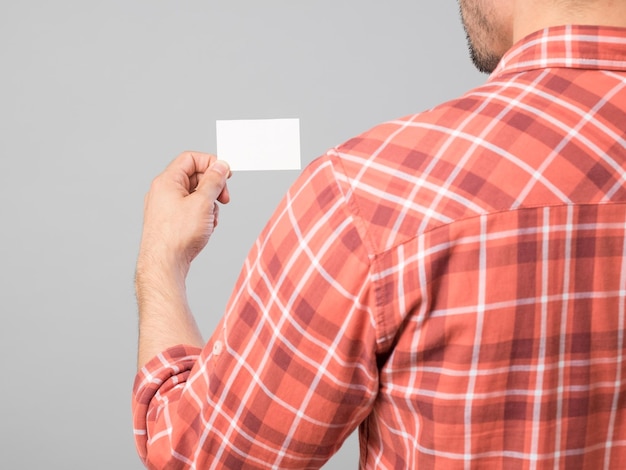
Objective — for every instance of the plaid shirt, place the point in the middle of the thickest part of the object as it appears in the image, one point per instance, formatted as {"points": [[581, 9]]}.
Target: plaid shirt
{"points": [[454, 282]]}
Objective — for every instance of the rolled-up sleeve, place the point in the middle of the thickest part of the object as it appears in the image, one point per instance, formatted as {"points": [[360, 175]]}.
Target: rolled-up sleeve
{"points": [[158, 386]]}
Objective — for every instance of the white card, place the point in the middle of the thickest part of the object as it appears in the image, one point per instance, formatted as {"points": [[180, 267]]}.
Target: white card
{"points": [[259, 144]]}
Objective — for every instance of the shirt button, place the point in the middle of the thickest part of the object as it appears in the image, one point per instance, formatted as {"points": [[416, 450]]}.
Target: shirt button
{"points": [[217, 348]]}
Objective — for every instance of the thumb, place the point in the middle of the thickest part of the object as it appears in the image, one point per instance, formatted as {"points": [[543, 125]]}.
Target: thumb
{"points": [[214, 179]]}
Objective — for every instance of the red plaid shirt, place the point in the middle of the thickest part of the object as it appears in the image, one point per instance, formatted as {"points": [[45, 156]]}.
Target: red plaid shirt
{"points": [[454, 282]]}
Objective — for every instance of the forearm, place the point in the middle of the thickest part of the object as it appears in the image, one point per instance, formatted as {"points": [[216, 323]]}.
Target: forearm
{"points": [[180, 213], [165, 319]]}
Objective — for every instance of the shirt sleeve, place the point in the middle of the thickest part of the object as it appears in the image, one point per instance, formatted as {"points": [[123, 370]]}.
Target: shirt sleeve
{"points": [[291, 370]]}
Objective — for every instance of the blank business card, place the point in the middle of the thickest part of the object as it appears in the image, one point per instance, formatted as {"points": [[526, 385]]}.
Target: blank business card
{"points": [[259, 144]]}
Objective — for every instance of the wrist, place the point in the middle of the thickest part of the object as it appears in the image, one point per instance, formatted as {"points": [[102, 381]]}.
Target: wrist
{"points": [[158, 276], [162, 262]]}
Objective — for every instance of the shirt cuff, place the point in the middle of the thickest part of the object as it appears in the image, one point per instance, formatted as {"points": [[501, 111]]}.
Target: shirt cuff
{"points": [[159, 376]]}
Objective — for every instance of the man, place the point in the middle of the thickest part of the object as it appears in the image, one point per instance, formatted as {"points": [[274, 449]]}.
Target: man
{"points": [[453, 282]]}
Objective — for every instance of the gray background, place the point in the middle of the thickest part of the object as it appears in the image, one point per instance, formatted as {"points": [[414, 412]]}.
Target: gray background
{"points": [[95, 99]]}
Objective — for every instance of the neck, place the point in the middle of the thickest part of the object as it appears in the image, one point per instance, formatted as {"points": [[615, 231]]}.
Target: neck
{"points": [[535, 15]]}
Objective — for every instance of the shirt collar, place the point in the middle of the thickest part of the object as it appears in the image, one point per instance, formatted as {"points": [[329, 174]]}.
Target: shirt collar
{"points": [[581, 47]]}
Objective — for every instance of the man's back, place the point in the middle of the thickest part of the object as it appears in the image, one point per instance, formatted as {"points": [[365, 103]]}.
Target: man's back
{"points": [[497, 226]]}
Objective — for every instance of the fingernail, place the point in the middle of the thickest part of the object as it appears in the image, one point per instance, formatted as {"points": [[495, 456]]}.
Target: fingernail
{"points": [[221, 167]]}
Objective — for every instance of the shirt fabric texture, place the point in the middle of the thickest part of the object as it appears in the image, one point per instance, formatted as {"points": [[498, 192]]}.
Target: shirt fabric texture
{"points": [[453, 283]]}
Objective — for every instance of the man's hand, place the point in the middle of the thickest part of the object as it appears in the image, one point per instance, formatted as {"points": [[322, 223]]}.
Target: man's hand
{"points": [[180, 214], [180, 210]]}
